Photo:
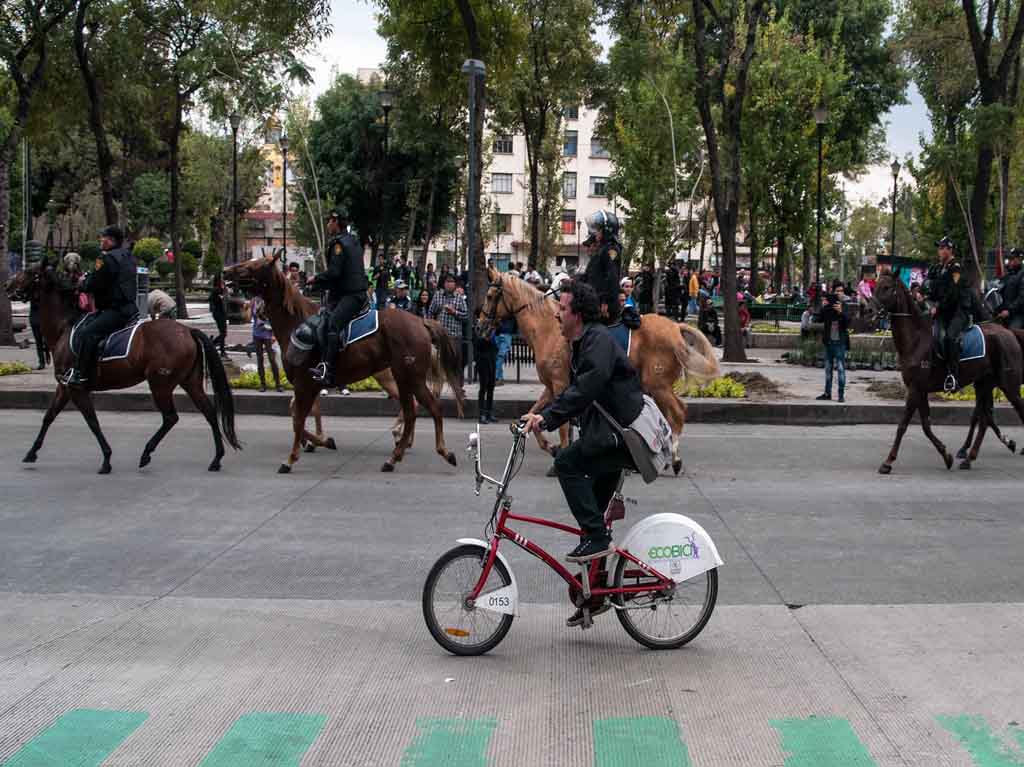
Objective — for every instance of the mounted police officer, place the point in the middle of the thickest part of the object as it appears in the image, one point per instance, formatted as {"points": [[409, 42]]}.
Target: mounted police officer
{"points": [[952, 304], [113, 284], [346, 283], [1011, 311], [603, 268]]}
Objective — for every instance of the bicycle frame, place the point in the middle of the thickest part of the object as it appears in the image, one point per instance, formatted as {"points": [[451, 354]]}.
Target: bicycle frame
{"points": [[503, 511]]}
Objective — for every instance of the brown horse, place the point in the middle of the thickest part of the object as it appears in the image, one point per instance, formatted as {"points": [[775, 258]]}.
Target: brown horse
{"points": [[164, 353], [923, 373], [403, 343], [661, 350]]}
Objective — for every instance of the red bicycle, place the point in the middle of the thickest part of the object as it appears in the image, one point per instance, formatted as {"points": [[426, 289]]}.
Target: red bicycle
{"points": [[663, 588]]}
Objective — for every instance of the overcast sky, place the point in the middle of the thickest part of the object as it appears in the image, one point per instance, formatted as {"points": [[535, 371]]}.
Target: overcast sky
{"points": [[355, 43]]}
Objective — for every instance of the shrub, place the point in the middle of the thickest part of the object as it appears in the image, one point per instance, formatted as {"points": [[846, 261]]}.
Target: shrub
{"points": [[721, 388], [13, 368], [212, 264], [193, 247], [251, 380], [189, 267], [90, 251], [967, 394], [164, 268], [147, 251]]}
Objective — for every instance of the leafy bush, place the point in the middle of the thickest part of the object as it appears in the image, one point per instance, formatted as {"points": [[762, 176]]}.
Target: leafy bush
{"points": [[189, 267], [967, 394], [251, 380], [147, 251], [164, 268], [13, 368], [212, 264], [769, 327], [721, 388], [90, 251], [193, 247]]}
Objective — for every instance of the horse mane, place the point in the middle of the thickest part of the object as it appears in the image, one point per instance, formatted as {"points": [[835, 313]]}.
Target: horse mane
{"points": [[531, 297], [295, 304], [55, 282]]}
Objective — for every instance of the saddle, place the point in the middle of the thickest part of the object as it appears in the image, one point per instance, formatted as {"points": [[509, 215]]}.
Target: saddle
{"points": [[312, 333], [114, 347], [972, 342]]}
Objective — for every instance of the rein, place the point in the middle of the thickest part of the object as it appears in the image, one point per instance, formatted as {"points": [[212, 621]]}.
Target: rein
{"points": [[493, 314]]}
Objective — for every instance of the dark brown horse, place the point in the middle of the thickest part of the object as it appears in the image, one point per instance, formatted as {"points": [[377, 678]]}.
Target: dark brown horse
{"points": [[164, 353], [923, 373], [403, 343]]}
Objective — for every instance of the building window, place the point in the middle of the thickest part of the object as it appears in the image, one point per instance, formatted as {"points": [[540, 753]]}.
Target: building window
{"points": [[572, 112], [504, 222], [501, 183], [568, 222], [598, 186], [503, 145], [569, 186], [570, 143], [597, 148]]}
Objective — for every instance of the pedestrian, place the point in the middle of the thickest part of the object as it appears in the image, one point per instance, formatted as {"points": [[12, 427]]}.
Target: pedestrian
{"points": [[707, 321], [74, 277], [293, 274], [218, 308], [42, 352], [626, 287], [836, 338], [160, 305], [643, 289], [744, 315], [401, 298], [673, 290], [449, 308], [503, 338], [263, 341], [694, 290], [381, 282], [430, 279], [422, 305], [1011, 312], [486, 358]]}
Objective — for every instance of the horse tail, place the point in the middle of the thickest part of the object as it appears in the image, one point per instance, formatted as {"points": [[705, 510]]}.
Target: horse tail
{"points": [[223, 400], [696, 355], [450, 359]]}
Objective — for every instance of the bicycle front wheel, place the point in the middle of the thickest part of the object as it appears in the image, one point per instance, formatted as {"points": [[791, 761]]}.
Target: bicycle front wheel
{"points": [[664, 622], [461, 628]]}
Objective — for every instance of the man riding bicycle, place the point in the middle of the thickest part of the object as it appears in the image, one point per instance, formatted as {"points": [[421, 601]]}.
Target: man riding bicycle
{"points": [[599, 375]]}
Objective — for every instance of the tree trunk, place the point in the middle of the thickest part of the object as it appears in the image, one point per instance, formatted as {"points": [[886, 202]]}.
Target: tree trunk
{"points": [[754, 249], [6, 320], [428, 228], [104, 159], [780, 260], [414, 210], [179, 278], [704, 232], [950, 209], [979, 208]]}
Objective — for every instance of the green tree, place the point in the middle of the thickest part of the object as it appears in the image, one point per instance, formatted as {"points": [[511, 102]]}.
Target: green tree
{"points": [[147, 251], [149, 204]]}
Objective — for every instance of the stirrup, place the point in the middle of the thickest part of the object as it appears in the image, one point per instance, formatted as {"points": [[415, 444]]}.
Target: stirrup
{"points": [[319, 373], [950, 384], [73, 378]]}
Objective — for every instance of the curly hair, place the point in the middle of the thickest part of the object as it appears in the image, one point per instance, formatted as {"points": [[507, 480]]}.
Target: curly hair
{"points": [[584, 300]]}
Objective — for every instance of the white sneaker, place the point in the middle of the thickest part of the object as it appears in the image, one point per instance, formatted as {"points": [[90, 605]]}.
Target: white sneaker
{"points": [[345, 392]]}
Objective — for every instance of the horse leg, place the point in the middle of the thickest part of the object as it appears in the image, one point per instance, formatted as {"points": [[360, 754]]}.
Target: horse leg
{"points": [[194, 388], [908, 412], [409, 412], [303, 404], [428, 400], [926, 427], [983, 406], [961, 454], [674, 411], [318, 419], [163, 398], [83, 401], [60, 399], [387, 383]]}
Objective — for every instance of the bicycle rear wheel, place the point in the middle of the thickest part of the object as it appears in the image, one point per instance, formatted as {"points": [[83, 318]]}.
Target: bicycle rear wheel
{"points": [[664, 622], [459, 628]]}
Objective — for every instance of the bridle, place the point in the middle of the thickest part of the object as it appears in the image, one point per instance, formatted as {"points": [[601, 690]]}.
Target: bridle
{"points": [[500, 297]]}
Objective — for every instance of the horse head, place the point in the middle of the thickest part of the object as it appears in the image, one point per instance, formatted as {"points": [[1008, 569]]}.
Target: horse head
{"points": [[253, 276], [891, 294], [494, 308]]}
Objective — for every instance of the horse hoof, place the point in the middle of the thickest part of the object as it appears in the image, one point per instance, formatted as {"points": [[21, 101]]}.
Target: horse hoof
{"points": [[309, 448], [144, 461], [961, 454], [29, 458], [388, 466], [1012, 445], [965, 465], [330, 444], [677, 466], [949, 460], [451, 458], [104, 469], [215, 466], [885, 469], [284, 469]]}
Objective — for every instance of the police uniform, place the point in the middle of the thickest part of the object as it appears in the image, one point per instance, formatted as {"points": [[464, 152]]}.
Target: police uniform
{"points": [[1012, 292], [602, 273], [953, 300], [113, 284], [346, 283]]}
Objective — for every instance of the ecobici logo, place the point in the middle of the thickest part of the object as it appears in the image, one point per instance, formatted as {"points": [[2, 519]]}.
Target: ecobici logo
{"points": [[688, 550]]}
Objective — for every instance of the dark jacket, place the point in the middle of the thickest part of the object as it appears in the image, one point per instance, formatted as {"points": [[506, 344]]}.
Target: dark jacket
{"points": [[345, 275], [217, 306], [114, 282], [603, 272], [833, 315], [485, 349], [673, 284], [598, 371], [643, 287], [1013, 296], [950, 296]]}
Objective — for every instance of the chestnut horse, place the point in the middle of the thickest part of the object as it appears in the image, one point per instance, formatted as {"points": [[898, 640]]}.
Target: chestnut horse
{"points": [[164, 353], [923, 373], [402, 343], [661, 350]]}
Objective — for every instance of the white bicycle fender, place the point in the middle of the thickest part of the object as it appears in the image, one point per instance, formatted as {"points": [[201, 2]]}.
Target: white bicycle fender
{"points": [[504, 600], [672, 544]]}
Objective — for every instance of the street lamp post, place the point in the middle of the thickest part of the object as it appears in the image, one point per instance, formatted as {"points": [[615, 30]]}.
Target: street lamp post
{"points": [[284, 200], [235, 120], [892, 234], [820, 118], [387, 101], [475, 71]]}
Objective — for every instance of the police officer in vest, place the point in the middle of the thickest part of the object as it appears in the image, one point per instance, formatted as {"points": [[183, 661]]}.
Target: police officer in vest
{"points": [[1011, 312], [952, 305], [603, 268], [113, 284], [346, 283]]}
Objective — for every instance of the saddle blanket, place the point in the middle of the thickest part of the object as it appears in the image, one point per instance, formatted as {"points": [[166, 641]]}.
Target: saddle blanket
{"points": [[621, 334], [115, 346], [972, 345], [360, 327]]}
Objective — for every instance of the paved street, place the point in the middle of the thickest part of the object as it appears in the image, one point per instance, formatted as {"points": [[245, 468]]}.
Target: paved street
{"points": [[176, 617]]}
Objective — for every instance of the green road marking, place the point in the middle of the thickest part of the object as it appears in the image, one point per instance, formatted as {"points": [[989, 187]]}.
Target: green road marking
{"points": [[266, 740], [450, 742], [651, 741], [825, 742], [79, 738], [985, 748]]}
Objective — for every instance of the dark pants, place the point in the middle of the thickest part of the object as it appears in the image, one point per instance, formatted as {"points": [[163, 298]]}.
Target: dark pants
{"points": [[346, 308], [37, 333], [588, 481], [645, 307], [672, 302], [266, 344], [485, 373], [222, 332], [835, 359], [102, 325], [955, 327]]}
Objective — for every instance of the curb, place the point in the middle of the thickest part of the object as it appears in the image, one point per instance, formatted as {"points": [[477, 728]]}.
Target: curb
{"points": [[782, 413]]}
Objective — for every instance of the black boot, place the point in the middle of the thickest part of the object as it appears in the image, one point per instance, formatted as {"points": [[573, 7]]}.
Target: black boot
{"points": [[324, 372]]}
